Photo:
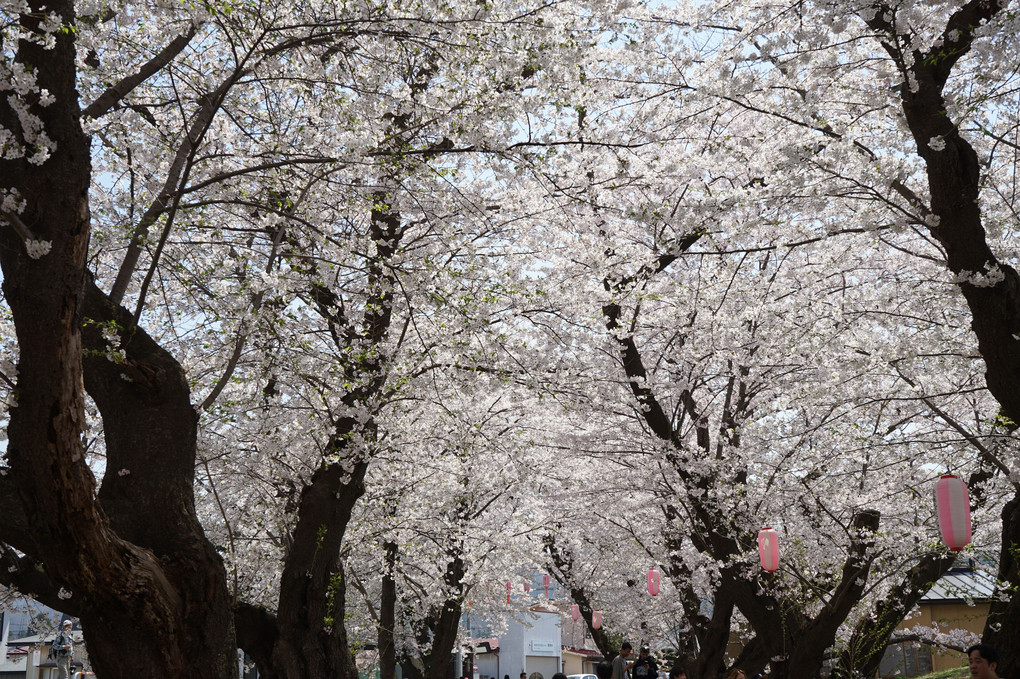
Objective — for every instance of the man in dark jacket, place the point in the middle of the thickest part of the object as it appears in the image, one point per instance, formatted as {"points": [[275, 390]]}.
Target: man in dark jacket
{"points": [[644, 667]]}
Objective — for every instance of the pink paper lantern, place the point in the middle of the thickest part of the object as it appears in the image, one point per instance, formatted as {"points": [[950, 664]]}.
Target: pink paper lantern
{"points": [[596, 620], [545, 583], [768, 548], [575, 612], [527, 586], [654, 580], [953, 504], [509, 586]]}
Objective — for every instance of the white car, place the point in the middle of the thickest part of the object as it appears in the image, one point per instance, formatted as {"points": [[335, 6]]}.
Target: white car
{"points": [[581, 676]]}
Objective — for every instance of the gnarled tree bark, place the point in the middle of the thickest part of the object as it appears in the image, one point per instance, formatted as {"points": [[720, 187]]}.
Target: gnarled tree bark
{"points": [[160, 592]]}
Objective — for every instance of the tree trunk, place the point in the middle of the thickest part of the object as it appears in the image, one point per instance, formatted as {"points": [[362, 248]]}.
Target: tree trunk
{"points": [[563, 570], [708, 661], [1002, 627], [137, 568], [257, 634], [388, 615], [444, 634], [954, 182], [312, 637]]}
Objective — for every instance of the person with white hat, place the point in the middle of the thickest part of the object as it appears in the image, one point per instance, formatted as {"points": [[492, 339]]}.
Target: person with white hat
{"points": [[63, 648]]}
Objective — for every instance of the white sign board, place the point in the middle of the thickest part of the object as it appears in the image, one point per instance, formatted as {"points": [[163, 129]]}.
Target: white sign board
{"points": [[543, 646]]}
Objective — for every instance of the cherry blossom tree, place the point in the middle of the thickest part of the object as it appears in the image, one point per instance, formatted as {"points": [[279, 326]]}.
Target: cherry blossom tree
{"points": [[229, 151], [921, 150], [281, 280]]}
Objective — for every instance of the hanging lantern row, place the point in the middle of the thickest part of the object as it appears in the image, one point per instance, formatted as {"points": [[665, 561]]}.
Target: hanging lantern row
{"points": [[953, 504], [654, 581], [951, 499], [527, 586], [768, 548]]}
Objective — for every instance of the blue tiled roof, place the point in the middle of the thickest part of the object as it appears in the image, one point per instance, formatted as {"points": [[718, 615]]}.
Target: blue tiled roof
{"points": [[962, 584]]}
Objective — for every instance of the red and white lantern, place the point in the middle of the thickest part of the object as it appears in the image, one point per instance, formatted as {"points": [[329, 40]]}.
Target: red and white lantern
{"points": [[575, 612], [596, 620], [768, 548], [527, 586], [509, 586], [654, 580], [545, 583], [953, 503]]}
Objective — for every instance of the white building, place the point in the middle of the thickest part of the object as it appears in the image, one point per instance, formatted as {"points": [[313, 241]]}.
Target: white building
{"points": [[532, 644]]}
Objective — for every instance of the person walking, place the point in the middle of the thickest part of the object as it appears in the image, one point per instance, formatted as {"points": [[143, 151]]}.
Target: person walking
{"points": [[621, 668], [644, 666], [63, 647]]}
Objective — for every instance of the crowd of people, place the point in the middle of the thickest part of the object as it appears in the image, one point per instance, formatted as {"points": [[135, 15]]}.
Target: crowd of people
{"points": [[982, 661]]}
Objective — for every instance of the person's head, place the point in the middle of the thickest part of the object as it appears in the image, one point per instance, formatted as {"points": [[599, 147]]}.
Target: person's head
{"points": [[524, 675], [626, 649], [678, 672], [644, 651], [66, 624], [737, 674], [604, 670], [982, 660], [559, 675]]}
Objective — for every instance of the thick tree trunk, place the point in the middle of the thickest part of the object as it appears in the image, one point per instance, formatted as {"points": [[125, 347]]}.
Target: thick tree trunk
{"points": [[151, 432], [1002, 628], [161, 594], [444, 634], [991, 287], [257, 634], [312, 637], [753, 657], [708, 661]]}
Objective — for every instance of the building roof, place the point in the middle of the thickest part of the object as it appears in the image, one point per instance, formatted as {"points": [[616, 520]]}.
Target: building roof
{"points": [[586, 652], [490, 645], [961, 583], [76, 636]]}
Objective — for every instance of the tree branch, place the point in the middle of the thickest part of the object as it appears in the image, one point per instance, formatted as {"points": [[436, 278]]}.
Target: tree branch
{"points": [[114, 94]]}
